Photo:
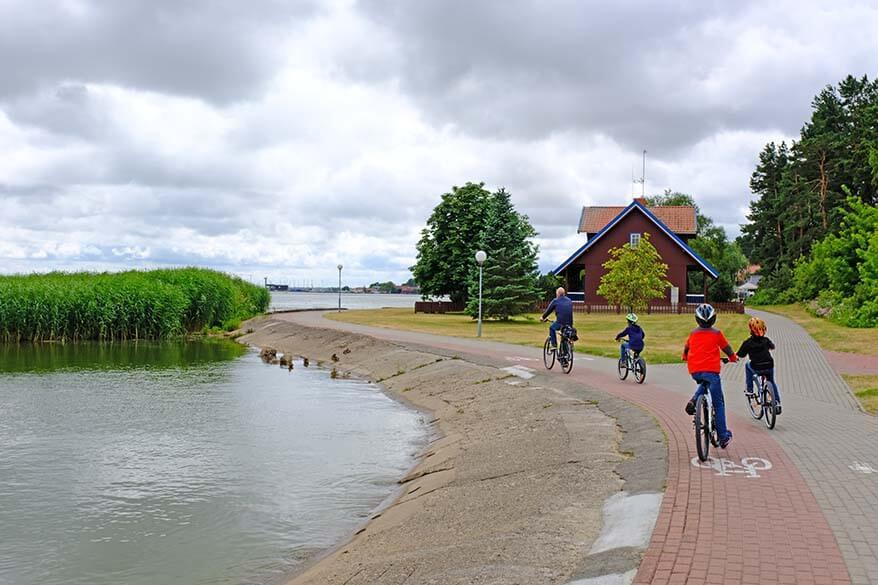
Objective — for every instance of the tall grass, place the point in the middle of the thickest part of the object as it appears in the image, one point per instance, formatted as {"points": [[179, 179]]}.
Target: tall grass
{"points": [[155, 304]]}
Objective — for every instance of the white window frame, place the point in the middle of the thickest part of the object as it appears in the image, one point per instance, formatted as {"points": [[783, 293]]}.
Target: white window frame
{"points": [[634, 241]]}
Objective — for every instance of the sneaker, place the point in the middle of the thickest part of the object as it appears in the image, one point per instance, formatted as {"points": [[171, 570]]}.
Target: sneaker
{"points": [[690, 408], [725, 442], [777, 409], [553, 347], [749, 394]]}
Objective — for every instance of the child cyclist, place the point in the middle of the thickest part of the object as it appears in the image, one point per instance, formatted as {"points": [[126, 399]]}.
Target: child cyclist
{"points": [[635, 335], [702, 354], [759, 347]]}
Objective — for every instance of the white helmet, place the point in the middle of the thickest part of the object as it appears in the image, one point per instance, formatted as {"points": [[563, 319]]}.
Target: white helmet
{"points": [[705, 315]]}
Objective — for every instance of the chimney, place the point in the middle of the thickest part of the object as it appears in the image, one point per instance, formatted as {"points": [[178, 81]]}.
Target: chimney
{"points": [[641, 200]]}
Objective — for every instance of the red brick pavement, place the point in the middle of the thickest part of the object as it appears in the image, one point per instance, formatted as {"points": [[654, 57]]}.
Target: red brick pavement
{"points": [[711, 528], [852, 363], [733, 528]]}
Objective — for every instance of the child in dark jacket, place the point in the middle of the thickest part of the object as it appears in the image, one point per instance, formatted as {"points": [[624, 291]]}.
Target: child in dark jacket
{"points": [[759, 347], [635, 335]]}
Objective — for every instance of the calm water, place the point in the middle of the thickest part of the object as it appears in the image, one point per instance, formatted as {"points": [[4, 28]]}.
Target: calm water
{"points": [[297, 300], [184, 463]]}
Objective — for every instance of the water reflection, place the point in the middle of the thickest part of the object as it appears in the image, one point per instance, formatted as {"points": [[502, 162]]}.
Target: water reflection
{"points": [[47, 357], [198, 470]]}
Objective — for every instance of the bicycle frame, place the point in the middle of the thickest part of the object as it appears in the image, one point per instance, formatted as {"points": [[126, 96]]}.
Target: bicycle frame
{"points": [[630, 358], [711, 425], [564, 353]]}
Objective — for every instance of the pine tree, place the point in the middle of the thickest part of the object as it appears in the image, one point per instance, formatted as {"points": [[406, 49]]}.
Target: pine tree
{"points": [[511, 275], [508, 287], [801, 190]]}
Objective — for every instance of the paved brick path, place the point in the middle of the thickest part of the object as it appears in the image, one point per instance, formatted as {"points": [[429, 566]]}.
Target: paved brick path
{"points": [[849, 363], [810, 518]]}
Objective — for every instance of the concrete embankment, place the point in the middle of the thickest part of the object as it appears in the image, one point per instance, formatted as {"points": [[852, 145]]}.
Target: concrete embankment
{"points": [[522, 483]]}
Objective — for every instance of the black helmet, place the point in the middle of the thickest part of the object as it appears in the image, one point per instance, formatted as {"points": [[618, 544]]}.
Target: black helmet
{"points": [[705, 315]]}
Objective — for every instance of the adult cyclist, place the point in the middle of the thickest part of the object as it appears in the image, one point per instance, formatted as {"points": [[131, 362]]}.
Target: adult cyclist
{"points": [[562, 306]]}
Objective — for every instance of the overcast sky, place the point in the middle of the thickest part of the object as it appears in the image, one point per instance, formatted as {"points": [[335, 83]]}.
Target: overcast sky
{"points": [[281, 138]]}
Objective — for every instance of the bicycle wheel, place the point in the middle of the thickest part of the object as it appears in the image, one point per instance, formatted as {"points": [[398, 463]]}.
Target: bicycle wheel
{"points": [[702, 429], [567, 362], [768, 404], [622, 368], [548, 355], [639, 370], [755, 402], [714, 434]]}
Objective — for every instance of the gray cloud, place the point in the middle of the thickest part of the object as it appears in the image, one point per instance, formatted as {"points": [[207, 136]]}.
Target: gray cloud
{"points": [[216, 50], [287, 137], [662, 75]]}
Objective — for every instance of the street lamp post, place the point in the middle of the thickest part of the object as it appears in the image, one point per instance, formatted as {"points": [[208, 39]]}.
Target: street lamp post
{"points": [[339, 287], [480, 258]]}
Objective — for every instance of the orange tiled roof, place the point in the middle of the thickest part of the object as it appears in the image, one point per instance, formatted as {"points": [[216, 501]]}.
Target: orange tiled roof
{"points": [[680, 219]]}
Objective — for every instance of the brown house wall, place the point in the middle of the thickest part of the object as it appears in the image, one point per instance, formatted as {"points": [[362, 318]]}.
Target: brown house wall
{"points": [[592, 259]]}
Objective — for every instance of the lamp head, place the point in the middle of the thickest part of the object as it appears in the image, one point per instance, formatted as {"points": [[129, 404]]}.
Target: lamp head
{"points": [[481, 256], [340, 267]]}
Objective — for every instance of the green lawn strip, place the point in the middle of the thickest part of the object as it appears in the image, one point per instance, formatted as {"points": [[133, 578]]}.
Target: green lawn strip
{"points": [[829, 335], [665, 334], [865, 387]]}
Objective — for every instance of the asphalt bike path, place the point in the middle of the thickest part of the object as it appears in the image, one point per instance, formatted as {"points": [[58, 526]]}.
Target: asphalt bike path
{"points": [[792, 505]]}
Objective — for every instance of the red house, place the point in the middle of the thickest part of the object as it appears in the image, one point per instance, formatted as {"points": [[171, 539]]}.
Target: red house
{"points": [[669, 227]]}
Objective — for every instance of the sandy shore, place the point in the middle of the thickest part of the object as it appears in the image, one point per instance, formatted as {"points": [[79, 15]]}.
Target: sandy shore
{"points": [[512, 490]]}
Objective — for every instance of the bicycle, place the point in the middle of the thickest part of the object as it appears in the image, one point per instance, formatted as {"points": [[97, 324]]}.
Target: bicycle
{"points": [[632, 363], [761, 403], [564, 352], [704, 421]]}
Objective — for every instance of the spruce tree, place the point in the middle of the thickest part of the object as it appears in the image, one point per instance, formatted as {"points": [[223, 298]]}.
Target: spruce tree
{"points": [[511, 275]]}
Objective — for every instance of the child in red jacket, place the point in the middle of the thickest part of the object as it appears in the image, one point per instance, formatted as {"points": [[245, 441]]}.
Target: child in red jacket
{"points": [[703, 358]]}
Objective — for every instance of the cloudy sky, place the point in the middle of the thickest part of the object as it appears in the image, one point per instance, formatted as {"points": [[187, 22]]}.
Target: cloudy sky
{"points": [[279, 138]]}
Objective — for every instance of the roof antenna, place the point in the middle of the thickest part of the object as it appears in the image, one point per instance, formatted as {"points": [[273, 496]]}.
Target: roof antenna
{"points": [[633, 180], [642, 179]]}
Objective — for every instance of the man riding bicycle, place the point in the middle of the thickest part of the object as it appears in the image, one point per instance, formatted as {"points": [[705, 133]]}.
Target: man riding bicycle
{"points": [[562, 306]]}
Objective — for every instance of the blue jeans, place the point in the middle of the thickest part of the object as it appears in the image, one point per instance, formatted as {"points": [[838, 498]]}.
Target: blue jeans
{"points": [[769, 375], [715, 386], [624, 348], [554, 328]]}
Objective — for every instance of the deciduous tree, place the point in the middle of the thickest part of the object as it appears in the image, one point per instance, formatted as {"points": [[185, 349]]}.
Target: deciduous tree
{"points": [[635, 275], [445, 251]]}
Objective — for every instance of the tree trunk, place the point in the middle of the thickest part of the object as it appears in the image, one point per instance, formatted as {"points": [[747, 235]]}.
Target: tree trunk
{"points": [[824, 189]]}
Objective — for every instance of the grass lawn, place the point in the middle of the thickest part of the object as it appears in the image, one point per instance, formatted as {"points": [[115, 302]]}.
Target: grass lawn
{"points": [[665, 334], [866, 389], [831, 336]]}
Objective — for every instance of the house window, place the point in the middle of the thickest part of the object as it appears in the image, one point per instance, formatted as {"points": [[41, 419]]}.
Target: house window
{"points": [[634, 239]]}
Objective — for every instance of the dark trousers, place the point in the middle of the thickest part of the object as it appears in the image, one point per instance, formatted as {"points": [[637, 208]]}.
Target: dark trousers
{"points": [[769, 375]]}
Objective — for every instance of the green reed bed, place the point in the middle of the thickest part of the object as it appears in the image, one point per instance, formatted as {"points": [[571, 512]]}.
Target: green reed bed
{"points": [[154, 304]]}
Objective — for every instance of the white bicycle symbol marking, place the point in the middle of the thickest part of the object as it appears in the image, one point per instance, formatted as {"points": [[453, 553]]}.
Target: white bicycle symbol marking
{"points": [[749, 466], [863, 468]]}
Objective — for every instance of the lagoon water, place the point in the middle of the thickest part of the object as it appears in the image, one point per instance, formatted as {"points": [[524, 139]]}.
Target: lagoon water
{"points": [[303, 300], [184, 463]]}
